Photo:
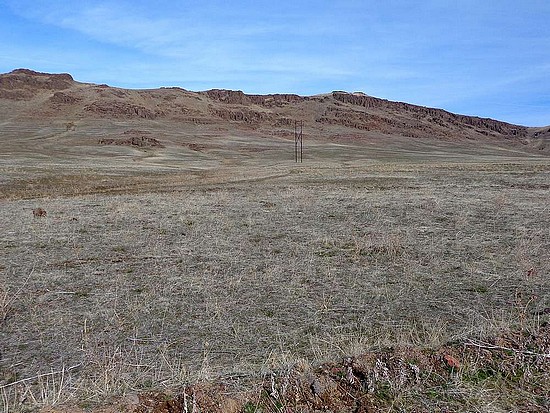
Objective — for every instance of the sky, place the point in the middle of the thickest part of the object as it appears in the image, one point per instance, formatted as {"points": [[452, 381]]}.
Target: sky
{"points": [[484, 58]]}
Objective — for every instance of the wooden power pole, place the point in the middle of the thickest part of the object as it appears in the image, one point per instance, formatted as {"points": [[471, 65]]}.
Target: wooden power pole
{"points": [[298, 139]]}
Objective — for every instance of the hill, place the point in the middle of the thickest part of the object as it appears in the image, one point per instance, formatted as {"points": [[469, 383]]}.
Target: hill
{"points": [[80, 113]]}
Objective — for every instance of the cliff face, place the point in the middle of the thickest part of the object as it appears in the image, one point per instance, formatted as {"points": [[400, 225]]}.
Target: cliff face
{"points": [[24, 84], [239, 98], [413, 120], [58, 96]]}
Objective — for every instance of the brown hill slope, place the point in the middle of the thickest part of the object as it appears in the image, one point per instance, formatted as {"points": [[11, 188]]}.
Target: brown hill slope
{"points": [[53, 115]]}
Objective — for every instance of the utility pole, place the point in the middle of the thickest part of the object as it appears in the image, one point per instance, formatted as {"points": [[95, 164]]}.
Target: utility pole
{"points": [[298, 139]]}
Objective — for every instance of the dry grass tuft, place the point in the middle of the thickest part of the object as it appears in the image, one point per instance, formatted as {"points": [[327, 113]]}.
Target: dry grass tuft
{"points": [[5, 303]]}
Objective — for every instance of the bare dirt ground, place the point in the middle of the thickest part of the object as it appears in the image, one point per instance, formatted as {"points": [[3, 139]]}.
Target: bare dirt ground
{"points": [[193, 266]]}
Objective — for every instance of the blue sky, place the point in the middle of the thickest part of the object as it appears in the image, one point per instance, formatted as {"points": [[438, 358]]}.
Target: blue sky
{"points": [[485, 58]]}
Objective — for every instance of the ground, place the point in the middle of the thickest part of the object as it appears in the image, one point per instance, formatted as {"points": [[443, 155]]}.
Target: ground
{"points": [[161, 251], [164, 284]]}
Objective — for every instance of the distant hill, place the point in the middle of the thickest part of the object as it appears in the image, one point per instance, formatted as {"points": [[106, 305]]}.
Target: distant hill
{"points": [[27, 96]]}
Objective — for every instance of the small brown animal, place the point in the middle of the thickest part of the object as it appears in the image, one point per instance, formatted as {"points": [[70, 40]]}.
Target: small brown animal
{"points": [[39, 212]]}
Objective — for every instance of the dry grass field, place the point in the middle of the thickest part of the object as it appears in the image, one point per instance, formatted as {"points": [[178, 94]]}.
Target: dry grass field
{"points": [[181, 261], [244, 271]]}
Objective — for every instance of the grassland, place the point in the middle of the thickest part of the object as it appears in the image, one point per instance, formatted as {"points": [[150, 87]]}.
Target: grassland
{"points": [[141, 280], [186, 263]]}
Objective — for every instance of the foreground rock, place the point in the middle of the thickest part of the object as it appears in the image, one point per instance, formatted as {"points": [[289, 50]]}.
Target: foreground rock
{"points": [[510, 373]]}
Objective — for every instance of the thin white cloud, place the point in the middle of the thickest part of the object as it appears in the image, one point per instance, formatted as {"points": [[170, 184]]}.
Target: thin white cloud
{"points": [[119, 24], [223, 46], [436, 53]]}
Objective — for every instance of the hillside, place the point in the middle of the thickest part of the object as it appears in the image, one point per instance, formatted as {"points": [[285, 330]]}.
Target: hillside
{"points": [[30, 101], [117, 138]]}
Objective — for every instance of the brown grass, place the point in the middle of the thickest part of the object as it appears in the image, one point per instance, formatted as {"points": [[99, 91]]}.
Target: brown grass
{"points": [[232, 276]]}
